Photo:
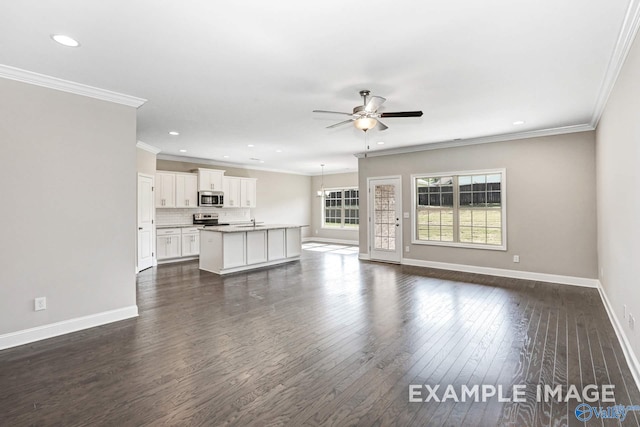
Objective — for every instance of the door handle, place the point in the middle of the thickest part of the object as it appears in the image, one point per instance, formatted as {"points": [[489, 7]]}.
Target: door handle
{"points": [[139, 228]]}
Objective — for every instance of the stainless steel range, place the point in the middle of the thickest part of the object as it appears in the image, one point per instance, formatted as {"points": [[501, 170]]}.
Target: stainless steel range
{"points": [[206, 219]]}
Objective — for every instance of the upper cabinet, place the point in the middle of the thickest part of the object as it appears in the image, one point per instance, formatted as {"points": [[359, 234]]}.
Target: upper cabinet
{"points": [[165, 190], [210, 180], [248, 192], [239, 192], [231, 189], [176, 190], [186, 190]]}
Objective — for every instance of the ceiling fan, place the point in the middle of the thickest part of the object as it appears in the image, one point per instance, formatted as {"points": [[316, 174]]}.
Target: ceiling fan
{"points": [[366, 116]]}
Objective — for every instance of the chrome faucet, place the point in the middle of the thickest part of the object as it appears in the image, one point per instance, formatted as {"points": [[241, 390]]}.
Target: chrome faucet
{"points": [[253, 221]]}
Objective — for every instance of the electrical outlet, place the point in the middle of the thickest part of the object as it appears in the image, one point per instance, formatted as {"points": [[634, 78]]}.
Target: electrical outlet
{"points": [[316, 231], [40, 304], [516, 258], [632, 321], [405, 215], [407, 248]]}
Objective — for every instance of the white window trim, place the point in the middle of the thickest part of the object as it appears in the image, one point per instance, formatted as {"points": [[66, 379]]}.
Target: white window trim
{"points": [[340, 227], [503, 186]]}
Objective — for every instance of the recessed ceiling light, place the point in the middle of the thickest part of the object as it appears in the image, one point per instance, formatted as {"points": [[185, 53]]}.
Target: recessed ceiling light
{"points": [[278, 151], [65, 40], [226, 157], [518, 122], [174, 133], [250, 145], [183, 151], [380, 142], [261, 161]]}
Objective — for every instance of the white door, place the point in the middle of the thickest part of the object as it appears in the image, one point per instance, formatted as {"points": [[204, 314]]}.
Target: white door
{"points": [[145, 221], [385, 225]]}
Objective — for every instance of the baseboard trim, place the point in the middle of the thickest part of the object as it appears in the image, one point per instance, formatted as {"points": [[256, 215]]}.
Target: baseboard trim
{"points": [[629, 355], [500, 272], [172, 260], [326, 240], [26, 336], [364, 257]]}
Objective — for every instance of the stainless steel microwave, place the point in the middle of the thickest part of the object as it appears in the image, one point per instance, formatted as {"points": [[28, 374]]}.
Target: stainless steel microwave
{"points": [[211, 198]]}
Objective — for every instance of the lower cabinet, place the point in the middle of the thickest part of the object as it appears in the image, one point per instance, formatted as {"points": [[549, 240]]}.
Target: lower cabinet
{"points": [[294, 242], [256, 246], [168, 243], [190, 242], [224, 252], [277, 245], [177, 243], [233, 252]]}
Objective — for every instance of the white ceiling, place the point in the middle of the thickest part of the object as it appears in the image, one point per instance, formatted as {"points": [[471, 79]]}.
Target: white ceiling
{"points": [[229, 74]]}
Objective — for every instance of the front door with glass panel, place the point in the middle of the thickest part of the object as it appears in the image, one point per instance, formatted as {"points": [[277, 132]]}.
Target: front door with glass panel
{"points": [[385, 225]]}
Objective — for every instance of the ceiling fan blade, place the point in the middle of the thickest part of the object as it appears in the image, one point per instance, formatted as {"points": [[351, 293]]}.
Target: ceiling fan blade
{"points": [[382, 126], [340, 124], [374, 103], [332, 112], [402, 114]]}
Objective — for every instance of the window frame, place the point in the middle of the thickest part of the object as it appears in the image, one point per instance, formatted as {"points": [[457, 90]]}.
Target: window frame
{"points": [[456, 193], [341, 226]]}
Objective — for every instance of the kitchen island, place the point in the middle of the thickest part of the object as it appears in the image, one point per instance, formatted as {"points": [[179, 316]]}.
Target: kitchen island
{"points": [[232, 248]]}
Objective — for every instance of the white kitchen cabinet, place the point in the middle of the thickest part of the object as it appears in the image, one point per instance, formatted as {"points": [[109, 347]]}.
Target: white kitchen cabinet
{"points": [[233, 245], [248, 192], [165, 190], [239, 192], [190, 242], [210, 179], [168, 243], [277, 248], [294, 242], [231, 189], [224, 252], [186, 190], [256, 246]]}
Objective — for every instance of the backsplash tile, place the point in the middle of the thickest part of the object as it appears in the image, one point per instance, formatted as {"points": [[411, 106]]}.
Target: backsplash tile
{"points": [[171, 216]]}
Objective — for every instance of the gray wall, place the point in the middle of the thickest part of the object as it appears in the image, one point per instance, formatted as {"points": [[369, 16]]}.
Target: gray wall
{"points": [[67, 173], [339, 180], [618, 172], [281, 197], [551, 213], [145, 161]]}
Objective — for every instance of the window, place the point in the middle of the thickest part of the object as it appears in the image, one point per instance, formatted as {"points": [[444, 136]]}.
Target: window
{"points": [[460, 209], [341, 208]]}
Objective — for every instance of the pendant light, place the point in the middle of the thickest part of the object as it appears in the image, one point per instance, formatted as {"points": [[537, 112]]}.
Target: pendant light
{"points": [[322, 191]]}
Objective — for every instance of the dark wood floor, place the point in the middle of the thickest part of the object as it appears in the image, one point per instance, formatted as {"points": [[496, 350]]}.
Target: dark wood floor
{"points": [[329, 340]]}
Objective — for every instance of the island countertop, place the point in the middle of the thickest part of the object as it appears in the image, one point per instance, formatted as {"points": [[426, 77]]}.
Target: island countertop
{"points": [[245, 228]]}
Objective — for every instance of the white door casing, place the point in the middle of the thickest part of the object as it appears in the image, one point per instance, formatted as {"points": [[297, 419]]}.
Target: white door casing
{"points": [[146, 214], [385, 219]]}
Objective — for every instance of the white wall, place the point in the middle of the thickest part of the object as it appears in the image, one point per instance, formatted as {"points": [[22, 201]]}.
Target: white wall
{"points": [[68, 180], [618, 183], [339, 180], [282, 198], [551, 214]]}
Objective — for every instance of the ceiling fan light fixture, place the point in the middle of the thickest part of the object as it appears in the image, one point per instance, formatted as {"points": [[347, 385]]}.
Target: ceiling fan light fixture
{"points": [[365, 123]]}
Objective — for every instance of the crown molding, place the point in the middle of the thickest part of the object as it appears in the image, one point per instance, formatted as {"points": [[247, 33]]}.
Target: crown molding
{"points": [[481, 140], [146, 147], [626, 37], [30, 77], [198, 160]]}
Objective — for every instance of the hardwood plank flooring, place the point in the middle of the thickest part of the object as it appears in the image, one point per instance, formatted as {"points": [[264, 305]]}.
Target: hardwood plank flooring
{"points": [[329, 340]]}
